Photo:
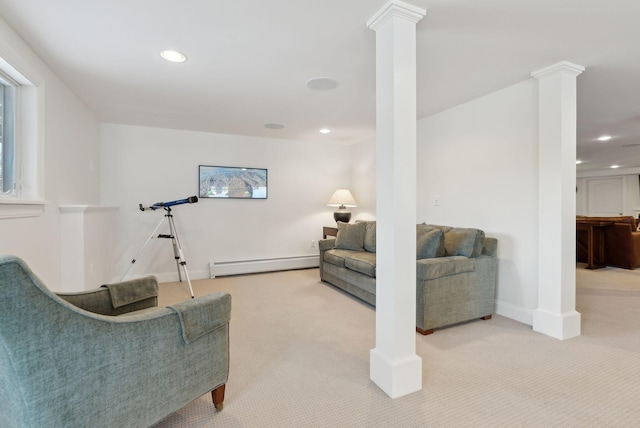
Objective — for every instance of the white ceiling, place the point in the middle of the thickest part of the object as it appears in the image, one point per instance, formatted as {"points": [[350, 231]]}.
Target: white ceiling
{"points": [[249, 61]]}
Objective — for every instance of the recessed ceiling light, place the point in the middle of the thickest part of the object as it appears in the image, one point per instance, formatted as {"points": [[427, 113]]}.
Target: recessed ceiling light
{"points": [[578, 162], [614, 166], [325, 131], [274, 126], [173, 56], [605, 138], [322, 84]]}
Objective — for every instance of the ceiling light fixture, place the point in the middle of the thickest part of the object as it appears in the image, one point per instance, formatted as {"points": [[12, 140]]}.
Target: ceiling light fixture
{"points": [[322, 84], [614, 166], [173, 56], [274, 126], [605, 138], [578, 162], [324, 131]]}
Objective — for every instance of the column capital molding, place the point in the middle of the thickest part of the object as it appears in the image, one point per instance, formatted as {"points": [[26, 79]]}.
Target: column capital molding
{"points": [[395, 9], [560, 66]]}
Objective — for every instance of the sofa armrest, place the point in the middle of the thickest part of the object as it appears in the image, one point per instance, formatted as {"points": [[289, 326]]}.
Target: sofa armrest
{"points": [[203, 315], [137, 294], [635, 248], [324, 245], [619, 245], [438, 267], [327, 244], [455, 298]]}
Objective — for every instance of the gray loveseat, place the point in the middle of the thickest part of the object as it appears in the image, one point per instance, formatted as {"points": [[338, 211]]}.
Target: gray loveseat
{"points": [[456, 270]]}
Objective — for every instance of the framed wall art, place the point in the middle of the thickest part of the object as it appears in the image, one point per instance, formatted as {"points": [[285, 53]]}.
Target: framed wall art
{"points": [[232, 182]]}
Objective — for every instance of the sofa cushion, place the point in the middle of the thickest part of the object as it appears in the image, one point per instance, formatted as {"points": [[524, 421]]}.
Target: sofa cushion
{"points": [[429, 242], [336, 257], [350, 236], [369, 235], [363, 262]]}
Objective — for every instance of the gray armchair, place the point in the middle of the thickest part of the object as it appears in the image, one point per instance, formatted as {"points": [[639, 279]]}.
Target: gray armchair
{"points": [[105, 358]]}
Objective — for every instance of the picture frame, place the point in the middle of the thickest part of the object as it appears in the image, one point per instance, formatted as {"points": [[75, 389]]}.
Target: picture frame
{"points": [[231, 182]]}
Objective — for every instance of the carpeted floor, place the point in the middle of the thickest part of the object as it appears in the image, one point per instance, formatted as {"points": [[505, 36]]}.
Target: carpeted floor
{"points": [[300, 358]]}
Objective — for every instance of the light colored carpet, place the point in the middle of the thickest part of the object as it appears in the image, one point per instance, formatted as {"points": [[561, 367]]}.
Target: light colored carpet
{"points": [[300, 358]]}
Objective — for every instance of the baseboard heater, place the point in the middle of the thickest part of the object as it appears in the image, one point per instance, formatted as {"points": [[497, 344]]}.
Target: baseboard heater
{"points": [[263, 265]]}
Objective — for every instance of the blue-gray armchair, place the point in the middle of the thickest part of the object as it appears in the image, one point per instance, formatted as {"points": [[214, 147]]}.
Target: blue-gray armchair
{"points": [[105, 358]]}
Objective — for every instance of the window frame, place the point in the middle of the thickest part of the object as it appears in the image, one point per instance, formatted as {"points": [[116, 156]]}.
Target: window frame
{"points": [[28, 198], [7, 82]]}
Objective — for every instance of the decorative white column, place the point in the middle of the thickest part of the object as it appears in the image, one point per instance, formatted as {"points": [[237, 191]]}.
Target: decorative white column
{"points": [[394, 365], [556, 314]]}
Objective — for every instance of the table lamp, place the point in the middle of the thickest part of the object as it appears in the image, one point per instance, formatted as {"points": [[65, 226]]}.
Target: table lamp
{"points": [[343, 199]]}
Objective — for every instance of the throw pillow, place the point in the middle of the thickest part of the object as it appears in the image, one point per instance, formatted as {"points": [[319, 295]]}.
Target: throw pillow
{"points": [[463, 242], [429, 242], [369, 235], [350, 236]]}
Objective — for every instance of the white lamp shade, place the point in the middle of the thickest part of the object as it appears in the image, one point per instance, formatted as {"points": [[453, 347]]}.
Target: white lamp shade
{"points": [[342, 197]]}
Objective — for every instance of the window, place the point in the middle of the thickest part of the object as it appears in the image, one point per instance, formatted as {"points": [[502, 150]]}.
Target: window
{"points": [[7, 135], [21, 137]]}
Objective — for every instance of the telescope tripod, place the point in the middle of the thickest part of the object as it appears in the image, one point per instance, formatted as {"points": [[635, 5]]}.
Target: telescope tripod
{"points": [[177, 248]]}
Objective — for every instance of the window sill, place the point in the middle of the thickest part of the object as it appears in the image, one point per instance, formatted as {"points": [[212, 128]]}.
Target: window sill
{"points": [[20, 208]]}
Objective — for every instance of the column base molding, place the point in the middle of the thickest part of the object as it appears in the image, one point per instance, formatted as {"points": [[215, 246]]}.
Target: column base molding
{"points": [[396, 377], [561, 326]]}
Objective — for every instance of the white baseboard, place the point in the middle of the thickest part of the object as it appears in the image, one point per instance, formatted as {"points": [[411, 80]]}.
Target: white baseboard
{"points": [[236, 268], [516, 313], [265, 265]]}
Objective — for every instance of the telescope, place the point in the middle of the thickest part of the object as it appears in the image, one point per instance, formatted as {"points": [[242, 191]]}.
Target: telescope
{"points": [[173, 235], [158, 205]]}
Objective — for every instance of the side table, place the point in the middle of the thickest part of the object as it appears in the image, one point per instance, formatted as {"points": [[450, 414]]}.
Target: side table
{"points": [[329, 231]]}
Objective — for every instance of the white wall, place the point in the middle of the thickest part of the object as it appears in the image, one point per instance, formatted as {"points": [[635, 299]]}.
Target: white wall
{"points": [[149, 165], [363, 179], [630, 190], [71, 142], [479, 160]]}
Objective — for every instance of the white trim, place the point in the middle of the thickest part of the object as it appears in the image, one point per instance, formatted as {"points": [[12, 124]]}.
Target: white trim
{"points": [[608, 172], [395, 9], [20, 209], [560, 66], [515, 313], [239, 267], [264, 265]]}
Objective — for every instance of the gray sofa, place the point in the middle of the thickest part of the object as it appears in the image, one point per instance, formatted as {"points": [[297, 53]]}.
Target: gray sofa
{"points": [[107, 357], [456, 271]]}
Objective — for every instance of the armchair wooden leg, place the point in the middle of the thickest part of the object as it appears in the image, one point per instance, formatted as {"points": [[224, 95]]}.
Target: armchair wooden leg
{"points": [[218, 397], [488, 317], [424, 332]]}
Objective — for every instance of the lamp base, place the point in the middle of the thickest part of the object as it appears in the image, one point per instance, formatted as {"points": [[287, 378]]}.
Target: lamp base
{"points": [[342, 215]]}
